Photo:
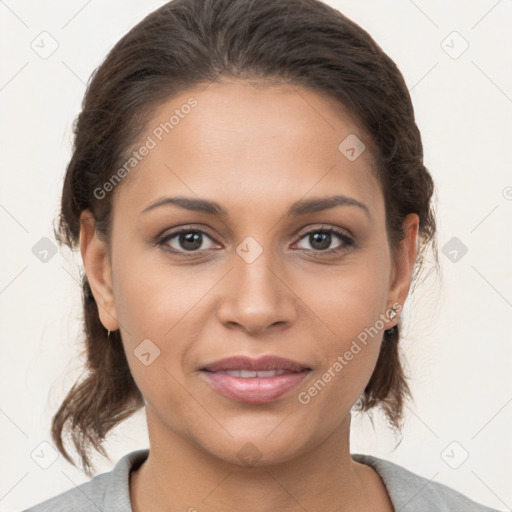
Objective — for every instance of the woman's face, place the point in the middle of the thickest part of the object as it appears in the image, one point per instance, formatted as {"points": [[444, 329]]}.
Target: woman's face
{"points": [[262, 277]]}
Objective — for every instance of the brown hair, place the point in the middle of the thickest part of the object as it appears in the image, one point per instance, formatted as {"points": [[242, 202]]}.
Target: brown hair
{"points": [[188, 42]]}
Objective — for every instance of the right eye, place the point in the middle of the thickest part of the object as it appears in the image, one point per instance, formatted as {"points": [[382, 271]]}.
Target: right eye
{"points": [[184, 240]]}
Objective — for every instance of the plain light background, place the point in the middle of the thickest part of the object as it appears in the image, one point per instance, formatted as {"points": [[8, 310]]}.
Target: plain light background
{"points": [[458, 344]]}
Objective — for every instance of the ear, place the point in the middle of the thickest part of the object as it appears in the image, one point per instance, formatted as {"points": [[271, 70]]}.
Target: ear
{"points": [[400, 280], [98, 270]]}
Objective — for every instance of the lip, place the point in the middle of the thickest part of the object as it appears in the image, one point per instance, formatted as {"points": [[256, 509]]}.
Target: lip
{"points": [[254, 389], [264, 363]]}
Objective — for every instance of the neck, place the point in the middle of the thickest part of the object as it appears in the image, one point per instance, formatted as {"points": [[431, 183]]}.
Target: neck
{"points": [[182, 475]]}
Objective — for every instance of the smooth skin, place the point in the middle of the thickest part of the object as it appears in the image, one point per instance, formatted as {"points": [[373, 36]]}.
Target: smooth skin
{"points": [[255, 149]]}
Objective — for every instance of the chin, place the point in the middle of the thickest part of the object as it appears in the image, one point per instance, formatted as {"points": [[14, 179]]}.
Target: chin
{"points": [[255, 451]]}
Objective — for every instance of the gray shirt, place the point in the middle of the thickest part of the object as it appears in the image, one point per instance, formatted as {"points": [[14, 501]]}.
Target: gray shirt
{"points": [[409, 492]]}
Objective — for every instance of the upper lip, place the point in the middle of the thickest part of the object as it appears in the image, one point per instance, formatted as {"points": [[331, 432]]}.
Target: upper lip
{"points": [[264, 363]]}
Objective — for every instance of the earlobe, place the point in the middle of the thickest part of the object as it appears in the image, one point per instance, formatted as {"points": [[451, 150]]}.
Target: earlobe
{"points": [[98, 270]]}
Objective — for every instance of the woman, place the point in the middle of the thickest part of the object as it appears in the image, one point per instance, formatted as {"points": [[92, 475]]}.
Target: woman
{"points": [[248, 194]]}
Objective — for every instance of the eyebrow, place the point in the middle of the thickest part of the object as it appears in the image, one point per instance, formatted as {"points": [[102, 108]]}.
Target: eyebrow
{"points": [[300, 207]]}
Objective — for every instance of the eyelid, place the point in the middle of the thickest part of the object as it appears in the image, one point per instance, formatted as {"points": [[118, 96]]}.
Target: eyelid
{"points": [[167, 235], [323, 227], [346, 239]]}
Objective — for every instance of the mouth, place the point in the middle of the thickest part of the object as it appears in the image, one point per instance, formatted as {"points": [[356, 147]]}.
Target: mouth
{"points": [[262, 380], [249, 374]]}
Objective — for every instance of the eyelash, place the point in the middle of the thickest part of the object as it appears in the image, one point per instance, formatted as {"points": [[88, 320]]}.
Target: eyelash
{"points": [[347, 241]]}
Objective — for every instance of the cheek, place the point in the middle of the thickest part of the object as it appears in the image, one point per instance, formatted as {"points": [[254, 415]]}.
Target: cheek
{"points": [[349, 307], [159, 309], [350, 350], [349, 298], [150, 298], [152, 315]]}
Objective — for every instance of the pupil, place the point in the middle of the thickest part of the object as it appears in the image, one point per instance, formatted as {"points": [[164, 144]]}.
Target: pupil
{"points": [[320, 237], [192, 238]]}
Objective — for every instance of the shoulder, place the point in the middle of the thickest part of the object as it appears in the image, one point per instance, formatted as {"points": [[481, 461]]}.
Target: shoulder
{"points": [[107, 491], [410, 492]]}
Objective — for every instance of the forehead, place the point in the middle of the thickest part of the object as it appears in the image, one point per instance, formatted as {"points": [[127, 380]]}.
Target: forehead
{"points": [[241, 141]]}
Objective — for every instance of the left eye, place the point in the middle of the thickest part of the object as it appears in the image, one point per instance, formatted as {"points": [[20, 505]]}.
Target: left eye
{"points": [[320, 240]]}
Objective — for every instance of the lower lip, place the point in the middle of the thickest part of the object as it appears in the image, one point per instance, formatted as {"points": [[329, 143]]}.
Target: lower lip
{"points": [[254, 390]]}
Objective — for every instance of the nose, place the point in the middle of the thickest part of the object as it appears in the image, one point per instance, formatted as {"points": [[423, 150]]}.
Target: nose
{"points": [[256, 296]]}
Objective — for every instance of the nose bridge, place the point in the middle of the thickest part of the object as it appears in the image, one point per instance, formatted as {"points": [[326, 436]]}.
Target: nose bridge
{"points": [[257, 297], [258, 285]]}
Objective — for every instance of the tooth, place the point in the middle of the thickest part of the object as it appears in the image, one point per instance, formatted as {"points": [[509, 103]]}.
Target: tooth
{"points": [[248, 373], [233, 373], [268, 373]]}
